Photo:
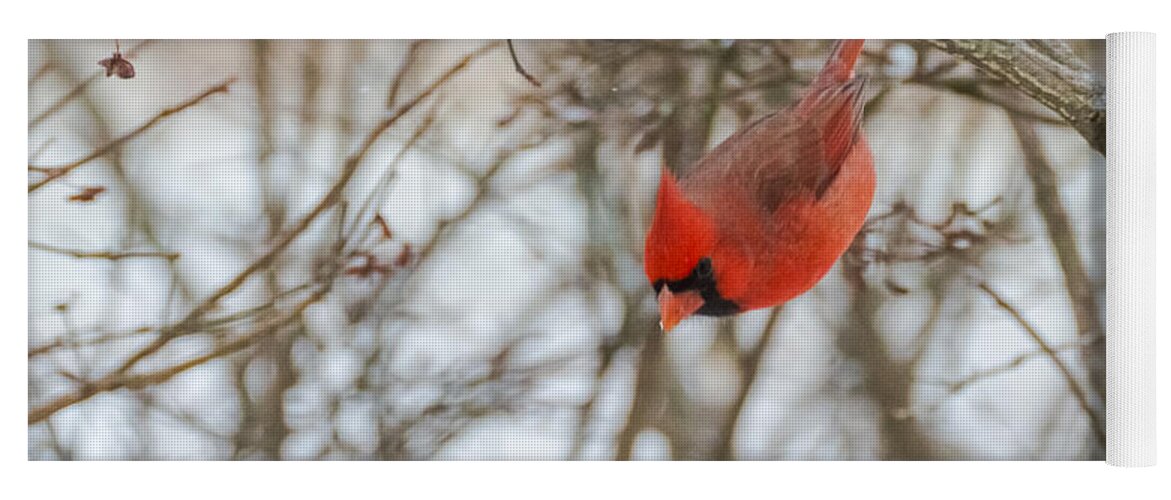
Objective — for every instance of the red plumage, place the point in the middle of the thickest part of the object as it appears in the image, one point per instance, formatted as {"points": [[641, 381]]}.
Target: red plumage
{"points": [[762, 218]]}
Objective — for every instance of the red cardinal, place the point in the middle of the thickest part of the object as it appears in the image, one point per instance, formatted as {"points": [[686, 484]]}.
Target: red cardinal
{"points": [[763, 216]]}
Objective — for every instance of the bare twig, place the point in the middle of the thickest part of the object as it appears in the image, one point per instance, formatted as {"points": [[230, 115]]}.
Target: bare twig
{"points": [[749, 368], [118, 379], [210, 325], [102, 255], [975, 88], [77, 89], [520, 68], [408, 62], [60, 343], [1070, 380], [1046, 70], [1016, 362], [52, 173], [332, 197], [1047, 196]]}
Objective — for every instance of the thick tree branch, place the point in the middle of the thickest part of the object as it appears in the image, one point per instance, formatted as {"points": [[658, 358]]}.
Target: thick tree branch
{"points": [[1049, 72]]}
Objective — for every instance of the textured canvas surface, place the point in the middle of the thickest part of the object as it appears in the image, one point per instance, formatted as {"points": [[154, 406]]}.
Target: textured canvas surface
{"points": [[379, 250]]}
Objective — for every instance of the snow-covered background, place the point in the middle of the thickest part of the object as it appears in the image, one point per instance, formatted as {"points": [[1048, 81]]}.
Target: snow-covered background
{"points": [[475, 289]]}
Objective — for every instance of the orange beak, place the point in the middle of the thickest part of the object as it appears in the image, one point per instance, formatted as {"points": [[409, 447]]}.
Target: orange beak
{"points": [[675, 308]]}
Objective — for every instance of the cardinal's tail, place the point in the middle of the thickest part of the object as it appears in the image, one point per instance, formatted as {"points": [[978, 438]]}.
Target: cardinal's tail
{"points": [[840, 66], [834, 106]]}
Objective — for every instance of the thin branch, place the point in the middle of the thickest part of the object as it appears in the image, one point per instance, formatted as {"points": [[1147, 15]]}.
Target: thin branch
{"points": [[1046, 70], [60, 343], [980, 375], [78, 89], [214, 325], [408, 63], [102, 255], [118, 379], [974, 88], [331, 198], [749, 368], [1070, 380], [520, 68], [1047, 196], [52, 173], [889, 381]]}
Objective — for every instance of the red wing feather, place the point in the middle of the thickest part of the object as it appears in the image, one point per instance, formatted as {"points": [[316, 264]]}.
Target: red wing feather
{"points": [[837, 116], [795, 151]]}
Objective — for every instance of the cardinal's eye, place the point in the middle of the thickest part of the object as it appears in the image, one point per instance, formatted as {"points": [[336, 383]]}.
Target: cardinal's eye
{"points": [[704, 268]]}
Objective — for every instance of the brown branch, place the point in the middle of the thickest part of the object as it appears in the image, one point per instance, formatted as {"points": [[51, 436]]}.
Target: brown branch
{"points": [[40, 73], [684, 138], [52, 173], [520, 68], [214, 325], [102, 255], [60, 343], [749, 367], [37, 351], [118, 380], [649, 391], [191, 321], [1047, 196], [1070, 380], [974, 88], [78, 89], [888, 381], [408, 63], [1049, 72], [980, 375]]}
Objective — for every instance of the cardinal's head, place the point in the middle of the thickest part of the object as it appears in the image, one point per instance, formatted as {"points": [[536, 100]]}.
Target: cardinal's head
{"points": [[690, 271]]}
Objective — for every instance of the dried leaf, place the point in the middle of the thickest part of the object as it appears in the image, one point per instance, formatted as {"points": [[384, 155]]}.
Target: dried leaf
{"points": [[117, 65], [88, 194]]}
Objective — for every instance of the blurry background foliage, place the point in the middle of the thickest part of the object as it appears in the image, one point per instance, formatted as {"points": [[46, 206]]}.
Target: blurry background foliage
{"points": [[406, 250]]}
